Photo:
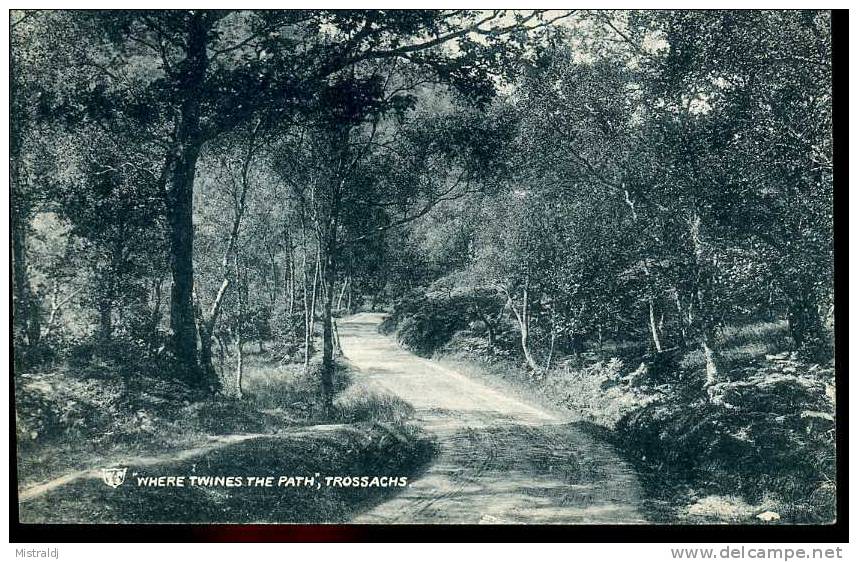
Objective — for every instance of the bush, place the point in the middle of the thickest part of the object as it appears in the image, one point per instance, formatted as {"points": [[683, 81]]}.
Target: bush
{"points": [[770, 434], [52, 406], [284, 387], [466, 343], [221, 415], [287, 331], [425, 322], [598, 391], [96, 406]]}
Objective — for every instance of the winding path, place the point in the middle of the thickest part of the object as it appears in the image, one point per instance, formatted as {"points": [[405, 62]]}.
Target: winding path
{"points": [[501, 460]]}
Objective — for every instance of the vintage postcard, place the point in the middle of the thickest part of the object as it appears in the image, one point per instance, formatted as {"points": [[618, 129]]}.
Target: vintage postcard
{"points": [[505, 267]]}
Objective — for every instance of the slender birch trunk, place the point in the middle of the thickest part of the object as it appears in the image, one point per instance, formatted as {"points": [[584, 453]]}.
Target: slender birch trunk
{"points": [[306, 309], [706, 315], [653, 327], [524, 325], [239, 336], [342, 293]]}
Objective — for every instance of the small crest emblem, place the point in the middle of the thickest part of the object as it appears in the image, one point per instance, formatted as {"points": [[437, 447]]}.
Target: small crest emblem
{"points": [[113, 477]]}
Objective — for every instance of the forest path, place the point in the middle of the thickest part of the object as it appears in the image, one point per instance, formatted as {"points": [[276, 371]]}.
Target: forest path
{"points": [[500, 460]]}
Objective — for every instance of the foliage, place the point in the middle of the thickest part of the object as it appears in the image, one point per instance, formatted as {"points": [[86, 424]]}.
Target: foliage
{"points": [[424, 322], [358, 404], [603, 200], [771, 432]]}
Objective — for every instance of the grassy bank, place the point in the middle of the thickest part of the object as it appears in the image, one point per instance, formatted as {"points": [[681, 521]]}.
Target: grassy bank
{"points": [[361, 450], [69, 423]]}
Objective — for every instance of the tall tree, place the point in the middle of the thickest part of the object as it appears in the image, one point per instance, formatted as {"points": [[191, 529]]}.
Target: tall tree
{"points": [[189, 76]]}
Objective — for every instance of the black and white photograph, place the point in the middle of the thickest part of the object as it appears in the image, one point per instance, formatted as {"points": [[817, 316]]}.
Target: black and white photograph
{"points": [[436, 267]]}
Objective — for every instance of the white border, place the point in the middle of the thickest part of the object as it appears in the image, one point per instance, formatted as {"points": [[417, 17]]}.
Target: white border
{"points": [[375, 552]]}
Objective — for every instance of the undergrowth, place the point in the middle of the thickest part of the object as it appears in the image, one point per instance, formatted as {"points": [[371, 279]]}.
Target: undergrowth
{"points": [[757, 447]]}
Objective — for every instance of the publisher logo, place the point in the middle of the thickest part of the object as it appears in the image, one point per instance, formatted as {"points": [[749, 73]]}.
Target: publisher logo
{"points": [[113, 477]]}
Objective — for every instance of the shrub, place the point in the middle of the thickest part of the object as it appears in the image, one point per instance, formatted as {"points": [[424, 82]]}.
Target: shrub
{"points": [[221, 415], [598, 391], [284, 387], [771, 433], [287, 331], [55, 406], [96, 405], [425, 322]]}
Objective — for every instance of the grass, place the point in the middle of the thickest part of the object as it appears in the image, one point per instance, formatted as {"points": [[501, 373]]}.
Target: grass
{"points": [[366, 450], [286, 388], [775, 332], [358, 404], [743, 344], [68, 423], [590, 393]]}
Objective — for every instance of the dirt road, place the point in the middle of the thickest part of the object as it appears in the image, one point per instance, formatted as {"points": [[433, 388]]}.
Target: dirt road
{"points": [[500, 460]]}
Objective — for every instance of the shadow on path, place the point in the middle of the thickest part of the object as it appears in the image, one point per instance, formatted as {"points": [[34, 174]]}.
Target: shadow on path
{"points": [[500, 460]]}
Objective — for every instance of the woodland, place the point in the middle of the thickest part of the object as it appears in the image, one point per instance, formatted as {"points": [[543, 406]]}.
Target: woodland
{"points": [[626, 213]]}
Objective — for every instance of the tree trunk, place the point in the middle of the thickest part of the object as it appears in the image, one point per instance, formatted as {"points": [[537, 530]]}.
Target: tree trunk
{"points": [[221, 352], [653, 328], [314, 295], [342, 293], [338, 348], [328, 366], [524, 327], [290, 271], [275, 288], [683, 332], [182, 325], [180, 195], [806, 327], [57, 304], [712, 376], [706, 314], [239, 360], [155, 318], [525, 347], [206, 330], [551, 349], [239, 339], [25, 310], [328, 251], [206, 341], [306, 311]]}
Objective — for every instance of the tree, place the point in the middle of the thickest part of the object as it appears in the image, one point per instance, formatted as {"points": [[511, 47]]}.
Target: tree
{"points": [[187, 77]]}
